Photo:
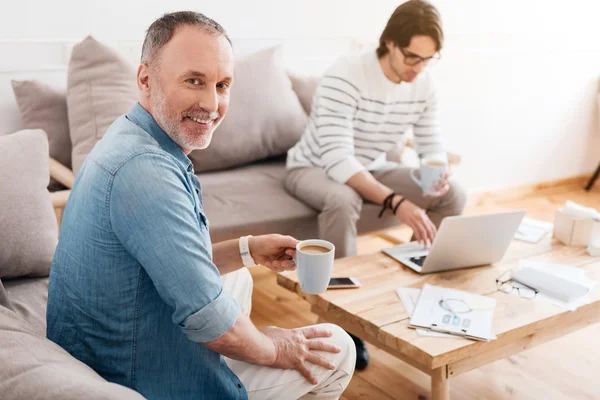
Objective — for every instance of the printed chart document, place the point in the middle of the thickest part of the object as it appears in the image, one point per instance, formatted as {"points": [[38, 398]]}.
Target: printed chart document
{"points": [[455, 312], [410, 297]]}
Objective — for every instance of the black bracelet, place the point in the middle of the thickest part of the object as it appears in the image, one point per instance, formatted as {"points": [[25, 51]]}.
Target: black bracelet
{"points": [[398, 205], [387, 203]]}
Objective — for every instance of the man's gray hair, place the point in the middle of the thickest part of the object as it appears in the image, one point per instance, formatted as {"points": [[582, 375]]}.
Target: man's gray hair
{"points": [[161, 31]]}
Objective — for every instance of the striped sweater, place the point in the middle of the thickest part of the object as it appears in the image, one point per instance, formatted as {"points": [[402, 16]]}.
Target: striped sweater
{"points": [[358, 115]]}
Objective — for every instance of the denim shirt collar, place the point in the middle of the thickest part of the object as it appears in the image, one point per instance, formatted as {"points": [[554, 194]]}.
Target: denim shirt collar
{"points": [[142, 118]]}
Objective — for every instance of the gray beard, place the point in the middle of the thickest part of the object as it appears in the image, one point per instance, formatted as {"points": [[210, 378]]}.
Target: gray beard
{"points": [[171, 128]]}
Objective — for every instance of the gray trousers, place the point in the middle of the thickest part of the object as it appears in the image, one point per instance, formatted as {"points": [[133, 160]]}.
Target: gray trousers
{"points": [[340, 205]]}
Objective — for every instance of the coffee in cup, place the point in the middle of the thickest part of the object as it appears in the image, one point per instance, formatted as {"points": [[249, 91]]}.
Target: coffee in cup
{"points": [[314, 249]]}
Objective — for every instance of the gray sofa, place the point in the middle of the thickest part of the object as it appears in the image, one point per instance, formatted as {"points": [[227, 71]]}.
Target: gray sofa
{"points": [[242, 170], [242, 188]]}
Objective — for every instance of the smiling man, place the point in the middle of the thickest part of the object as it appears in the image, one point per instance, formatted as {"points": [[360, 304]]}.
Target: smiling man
{"points": [[363, 106], [135, 288]]}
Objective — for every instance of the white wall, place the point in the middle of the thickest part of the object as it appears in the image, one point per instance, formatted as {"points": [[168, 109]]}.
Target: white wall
{"points": [[518, 79]]}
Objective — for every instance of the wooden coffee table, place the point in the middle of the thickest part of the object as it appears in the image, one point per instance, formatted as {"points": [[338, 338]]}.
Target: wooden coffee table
{"points": [[375, 313]]}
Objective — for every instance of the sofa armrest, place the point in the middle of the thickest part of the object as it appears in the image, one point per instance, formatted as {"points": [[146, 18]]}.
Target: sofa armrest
{"points": [[59, 201], [61, 173]]}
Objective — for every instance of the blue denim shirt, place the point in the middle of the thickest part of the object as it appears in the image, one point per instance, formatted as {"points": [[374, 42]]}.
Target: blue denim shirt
{"points": [[133, 290]]}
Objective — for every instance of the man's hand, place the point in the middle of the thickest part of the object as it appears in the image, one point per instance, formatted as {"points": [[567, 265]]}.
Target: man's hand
{"points": [[415, 217], [294, 348], [275, 252]]}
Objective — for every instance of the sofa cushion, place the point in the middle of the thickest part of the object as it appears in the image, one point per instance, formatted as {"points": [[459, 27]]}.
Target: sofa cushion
{"points": [[101, 86], [305, 88], [29, 299], [265, 117], [252, 200], [32, 367], [28, 231], [44, 107]]}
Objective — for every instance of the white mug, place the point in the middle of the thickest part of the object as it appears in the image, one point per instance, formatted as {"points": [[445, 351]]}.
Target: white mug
{"points": [[432, 170], [314, 270]]}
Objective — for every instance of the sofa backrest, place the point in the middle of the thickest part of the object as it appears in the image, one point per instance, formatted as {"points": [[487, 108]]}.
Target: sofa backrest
{"points": [[47, 62]]}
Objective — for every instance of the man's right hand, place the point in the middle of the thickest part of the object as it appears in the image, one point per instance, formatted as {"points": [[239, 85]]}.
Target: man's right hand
{"points": [[415, 217], [294, 348]]}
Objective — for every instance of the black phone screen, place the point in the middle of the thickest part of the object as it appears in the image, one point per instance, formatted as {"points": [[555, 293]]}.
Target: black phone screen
{"points": [[340, 282]]}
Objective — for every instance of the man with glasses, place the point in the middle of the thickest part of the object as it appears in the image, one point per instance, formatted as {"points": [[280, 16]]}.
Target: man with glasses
{"points": [[363, 107]]}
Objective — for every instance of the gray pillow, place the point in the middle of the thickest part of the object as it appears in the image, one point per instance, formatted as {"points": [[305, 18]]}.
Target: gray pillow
{"points": [[28, 228], [101, 86], [33, 367], [265, 117], [43, 107], [305, 88]]}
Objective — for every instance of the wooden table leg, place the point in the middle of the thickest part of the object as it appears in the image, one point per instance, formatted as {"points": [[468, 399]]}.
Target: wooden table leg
{"points": [[440, 387]]}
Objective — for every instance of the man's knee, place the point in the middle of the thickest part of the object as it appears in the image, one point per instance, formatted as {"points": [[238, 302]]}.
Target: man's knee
{"points": [[345, 360], [344, 201], [239, 284]]}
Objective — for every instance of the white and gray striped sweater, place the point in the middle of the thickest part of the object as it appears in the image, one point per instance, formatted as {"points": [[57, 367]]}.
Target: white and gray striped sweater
{"points": [[358, 115]]}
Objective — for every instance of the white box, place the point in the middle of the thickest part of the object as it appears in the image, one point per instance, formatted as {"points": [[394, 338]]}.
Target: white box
{"points": [[572, 231]]}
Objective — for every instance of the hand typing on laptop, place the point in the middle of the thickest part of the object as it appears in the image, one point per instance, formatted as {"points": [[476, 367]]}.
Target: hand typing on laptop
{"points": [[462, 241], [415, 217]]}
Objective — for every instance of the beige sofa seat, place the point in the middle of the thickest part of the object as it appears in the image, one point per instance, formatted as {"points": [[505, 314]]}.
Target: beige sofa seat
{"points": [[252, 200], [33, 367], [29, 299]]}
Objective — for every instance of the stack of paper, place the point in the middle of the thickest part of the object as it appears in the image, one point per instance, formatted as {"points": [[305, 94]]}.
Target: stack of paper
{"points": [[533, 230], [568, 273], [410, 297], [443, 312]]}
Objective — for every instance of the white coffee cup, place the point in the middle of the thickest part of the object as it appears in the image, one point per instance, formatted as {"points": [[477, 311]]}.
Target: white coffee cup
{"points": [[314, 269], [431, 171]]}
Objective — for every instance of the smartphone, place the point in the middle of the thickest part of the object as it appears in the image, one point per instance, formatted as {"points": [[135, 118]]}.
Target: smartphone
{"points": [[343, 283]]}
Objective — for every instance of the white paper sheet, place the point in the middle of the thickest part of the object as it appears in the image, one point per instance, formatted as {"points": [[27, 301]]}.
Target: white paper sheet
{"points": [[533, 230], [429, 313], [567, 272], [409, 298]]}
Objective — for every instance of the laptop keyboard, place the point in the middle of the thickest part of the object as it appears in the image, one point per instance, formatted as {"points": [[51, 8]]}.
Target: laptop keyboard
{"points": [[418, 260]]}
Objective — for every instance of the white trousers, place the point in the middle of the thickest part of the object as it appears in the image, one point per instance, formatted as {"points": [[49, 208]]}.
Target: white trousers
{"points": [[265, 383]]}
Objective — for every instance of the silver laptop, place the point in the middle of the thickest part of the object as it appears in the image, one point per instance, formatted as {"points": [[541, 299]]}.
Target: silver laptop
{"points": [[461, 242]]}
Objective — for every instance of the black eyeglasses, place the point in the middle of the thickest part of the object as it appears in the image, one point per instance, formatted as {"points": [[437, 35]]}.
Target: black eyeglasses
{"points": [[504, 284], [411, 59]]}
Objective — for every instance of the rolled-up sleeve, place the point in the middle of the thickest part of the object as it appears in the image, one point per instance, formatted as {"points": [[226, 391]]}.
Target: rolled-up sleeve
{"points": [[153, 213], [212, 321]]}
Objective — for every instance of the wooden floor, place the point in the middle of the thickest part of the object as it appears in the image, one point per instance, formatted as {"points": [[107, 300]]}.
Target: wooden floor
{"points": [[567, 368]]}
